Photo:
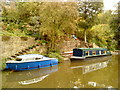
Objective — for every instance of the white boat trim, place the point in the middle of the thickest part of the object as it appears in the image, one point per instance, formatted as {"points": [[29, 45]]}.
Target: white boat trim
{"points": [[30, 58], [75, 57], [13, 61], [27, 56]]}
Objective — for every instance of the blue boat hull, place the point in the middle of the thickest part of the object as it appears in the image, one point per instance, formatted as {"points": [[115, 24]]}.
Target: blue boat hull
{"points": [[31, 65]]}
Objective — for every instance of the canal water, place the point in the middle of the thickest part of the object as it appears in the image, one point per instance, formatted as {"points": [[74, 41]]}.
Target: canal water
{"points": [[97, 72]]}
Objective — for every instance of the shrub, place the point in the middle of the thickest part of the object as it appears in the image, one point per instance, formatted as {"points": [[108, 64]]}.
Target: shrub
{"points": [[3, 64], [5, 38], [24, 38], [55, 55]]}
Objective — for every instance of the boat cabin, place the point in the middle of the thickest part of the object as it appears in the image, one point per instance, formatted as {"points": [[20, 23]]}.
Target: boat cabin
{"points": [[29, 57], [30, 61], [86, 52]]}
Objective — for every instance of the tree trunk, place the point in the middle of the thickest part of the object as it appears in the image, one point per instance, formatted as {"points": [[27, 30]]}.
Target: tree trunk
{"points": [[85, 36]]}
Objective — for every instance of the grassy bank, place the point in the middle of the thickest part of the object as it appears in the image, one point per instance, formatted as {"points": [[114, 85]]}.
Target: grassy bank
{"points": [[15, 33], [3, 64], [55, 55]]}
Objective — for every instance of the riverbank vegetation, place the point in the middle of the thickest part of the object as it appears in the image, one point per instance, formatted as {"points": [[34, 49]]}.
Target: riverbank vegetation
{"points": [[55, 22]]}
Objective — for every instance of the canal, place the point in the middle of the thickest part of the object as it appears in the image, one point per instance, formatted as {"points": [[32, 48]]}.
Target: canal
{"points": [[97, 72]]}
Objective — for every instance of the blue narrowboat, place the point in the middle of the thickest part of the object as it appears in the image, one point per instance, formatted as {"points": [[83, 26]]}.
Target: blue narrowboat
{"points": [[30, 61], [82, 53]]}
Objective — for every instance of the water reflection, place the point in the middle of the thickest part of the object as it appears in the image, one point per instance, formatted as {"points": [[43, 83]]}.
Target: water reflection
{"points": [[96, 73], [94, 84], [99, 72], [92, 67], [31, 76], [35, 80]]}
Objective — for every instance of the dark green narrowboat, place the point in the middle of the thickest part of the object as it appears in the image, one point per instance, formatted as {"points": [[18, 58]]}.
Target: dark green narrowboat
{"points": [[82, 53]]}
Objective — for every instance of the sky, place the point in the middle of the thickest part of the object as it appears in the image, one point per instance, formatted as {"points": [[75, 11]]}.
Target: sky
{"points": [[110, 4]]}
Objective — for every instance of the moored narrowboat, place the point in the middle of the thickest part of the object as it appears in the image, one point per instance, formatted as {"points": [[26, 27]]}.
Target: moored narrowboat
{"points": [[30, 61], [82, 53]]}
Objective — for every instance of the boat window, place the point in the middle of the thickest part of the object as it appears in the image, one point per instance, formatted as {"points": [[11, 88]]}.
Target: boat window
{"points": [[84, 53], [94, 52], [38, 58], [104, 52], [100, 51], [90, 52], [18, 59], [28, 59], [97, 52], [87, 53]]}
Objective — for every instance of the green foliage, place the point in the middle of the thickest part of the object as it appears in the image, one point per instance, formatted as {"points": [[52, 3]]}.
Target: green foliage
{"points": [[33, 52], [114, 24], [104, 18], [47, 21], [83, 24], [87, 12], [5, 38], [41, 41], [55, 55], [24, 38], [61, 22], [102, 35], [107, 24], [16, 34], [3, 64], [53, 22], [80, 34]]}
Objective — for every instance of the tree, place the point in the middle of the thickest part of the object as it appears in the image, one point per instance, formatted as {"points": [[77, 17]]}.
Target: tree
{"points": [[50, 21], [114, 24], [104, 32], [88, 11], [104, 18], [58, 21], [100, 34]]}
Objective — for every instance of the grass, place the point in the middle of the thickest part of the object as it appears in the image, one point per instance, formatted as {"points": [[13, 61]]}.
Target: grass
{"points": [[33, 52], [55, 55], [3, 64], [15, 34]]}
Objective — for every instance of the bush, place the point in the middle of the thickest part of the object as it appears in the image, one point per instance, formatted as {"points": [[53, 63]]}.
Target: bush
{"points": [[3, 64], [24, 38], [55, 55], [5, 38]]}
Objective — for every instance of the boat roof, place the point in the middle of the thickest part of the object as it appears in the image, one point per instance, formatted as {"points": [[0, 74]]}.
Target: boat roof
{"points": [[92, 48], [30, 56]]}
